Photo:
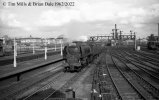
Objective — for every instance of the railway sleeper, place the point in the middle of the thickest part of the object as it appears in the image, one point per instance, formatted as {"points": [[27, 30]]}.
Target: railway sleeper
{"points": [[144, 85], [107, 96], [152, 90]]}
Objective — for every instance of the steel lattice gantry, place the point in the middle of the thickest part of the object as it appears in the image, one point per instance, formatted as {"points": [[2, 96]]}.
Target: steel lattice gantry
{"points": [[127, 37], [120, 37], [117, 36], [100, 38]]}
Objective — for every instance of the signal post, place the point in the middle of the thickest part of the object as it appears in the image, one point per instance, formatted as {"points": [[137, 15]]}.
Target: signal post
{"points": [[117, 37]]}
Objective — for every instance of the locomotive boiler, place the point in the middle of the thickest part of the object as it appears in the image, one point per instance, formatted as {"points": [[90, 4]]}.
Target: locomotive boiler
{"points": [[76, 57]]}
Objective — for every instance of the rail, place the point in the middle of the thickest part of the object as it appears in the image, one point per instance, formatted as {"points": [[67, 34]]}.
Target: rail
{"points": [[152, 89], [141, 95], [62, 88], [115, 86]]}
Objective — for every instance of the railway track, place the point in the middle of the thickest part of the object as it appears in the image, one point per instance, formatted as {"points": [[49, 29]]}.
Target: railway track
{"points": [[19, 53], [15, 90], [141, 67], [130, 81], [143, 64], [148, 71], [146, 64], [139, 64], [23, 52], [152, 52], [26, 57], [66, 79], [148, 81], [123, 83], [146, 75], [102, 86], [149, 58], [145, 54]]}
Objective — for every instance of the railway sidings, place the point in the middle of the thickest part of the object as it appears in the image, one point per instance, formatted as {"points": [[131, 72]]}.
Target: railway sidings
{"points": [[118, 73]]}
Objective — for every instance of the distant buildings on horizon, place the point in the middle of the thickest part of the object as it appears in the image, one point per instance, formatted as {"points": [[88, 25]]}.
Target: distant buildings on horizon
{"points": [[35, 40]]}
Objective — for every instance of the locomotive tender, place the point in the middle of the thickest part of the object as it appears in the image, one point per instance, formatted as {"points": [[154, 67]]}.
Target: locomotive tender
{"points": [[78, 56]]}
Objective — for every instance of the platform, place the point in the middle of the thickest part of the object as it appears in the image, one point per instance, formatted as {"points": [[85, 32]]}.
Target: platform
{"points": [[8, 70]]}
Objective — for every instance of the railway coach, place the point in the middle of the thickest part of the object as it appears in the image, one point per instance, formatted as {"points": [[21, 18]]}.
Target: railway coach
{"points": [[153, 45], [153, 42]]}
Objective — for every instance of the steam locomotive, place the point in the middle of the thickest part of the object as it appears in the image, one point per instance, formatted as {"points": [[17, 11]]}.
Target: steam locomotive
{"points": [[78, 56]]}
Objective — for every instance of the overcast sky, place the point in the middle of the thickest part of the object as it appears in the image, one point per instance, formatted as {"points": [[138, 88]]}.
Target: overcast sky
{"points": [[85, 18]]}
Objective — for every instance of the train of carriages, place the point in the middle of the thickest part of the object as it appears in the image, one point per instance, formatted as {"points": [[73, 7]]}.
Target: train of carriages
{"points": [[153, 45], [78, 56], [153, 42]]}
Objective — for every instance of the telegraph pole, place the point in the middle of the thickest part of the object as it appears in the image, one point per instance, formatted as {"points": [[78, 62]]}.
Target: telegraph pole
{"points": [[115, 33], [112, 34], [135, 40], [61, 47], [45, 49], [131, 34], [120, 35], [15, 54]]}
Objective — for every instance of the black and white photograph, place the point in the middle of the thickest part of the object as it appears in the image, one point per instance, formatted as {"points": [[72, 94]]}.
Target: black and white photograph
{"points": [[79, 49]]}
